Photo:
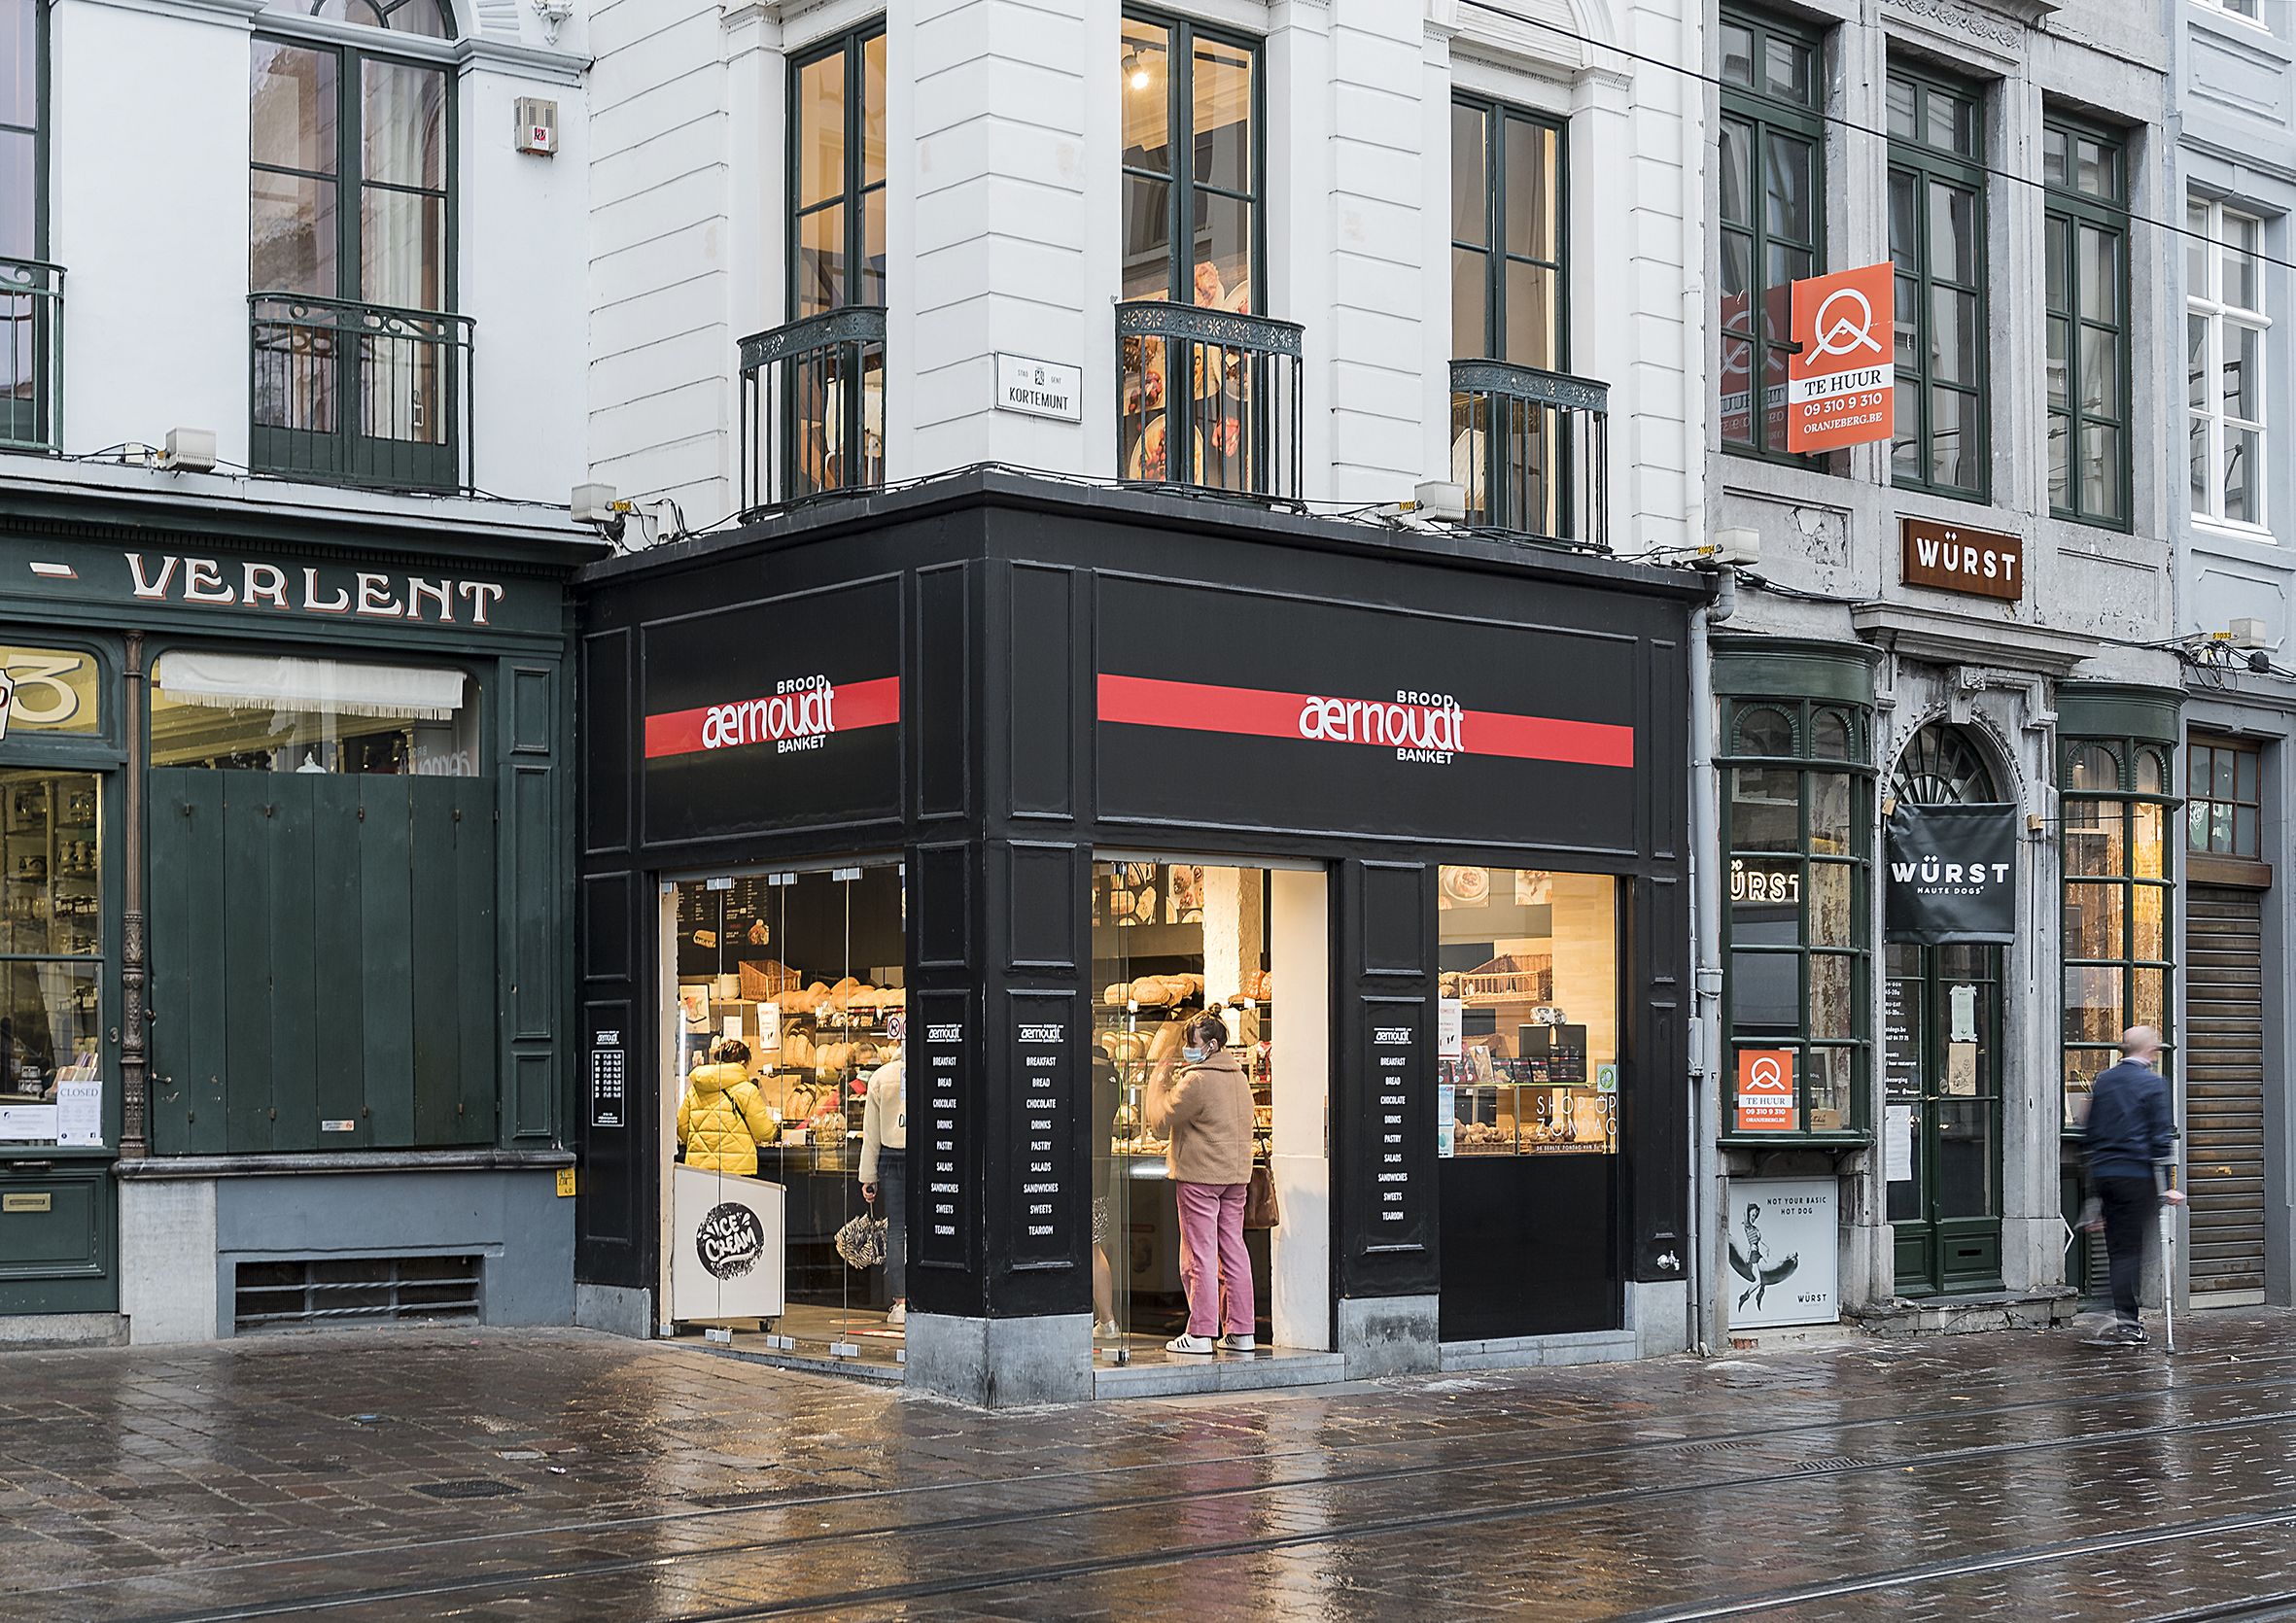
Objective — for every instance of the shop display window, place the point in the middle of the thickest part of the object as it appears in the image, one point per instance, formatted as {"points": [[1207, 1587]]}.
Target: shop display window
{"points": [[2118, 960], [1170, 940], [56, 691], [1529, 1018], [51, 955], [1796, 799], [786, 1100], [281, 713]]}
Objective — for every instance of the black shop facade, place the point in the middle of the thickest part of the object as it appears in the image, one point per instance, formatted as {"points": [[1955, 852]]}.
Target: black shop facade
{"points": [[920, 828]]}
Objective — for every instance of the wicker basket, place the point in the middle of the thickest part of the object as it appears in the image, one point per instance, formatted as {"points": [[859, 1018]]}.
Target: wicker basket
{"points": [[763, 978]]}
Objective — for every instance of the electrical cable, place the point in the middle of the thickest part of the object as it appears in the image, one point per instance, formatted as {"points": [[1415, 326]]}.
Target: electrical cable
{"points": [[1979, 164]]}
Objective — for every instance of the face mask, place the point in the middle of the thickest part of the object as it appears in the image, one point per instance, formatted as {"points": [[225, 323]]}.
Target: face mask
{"points": [[1193, 1055]]}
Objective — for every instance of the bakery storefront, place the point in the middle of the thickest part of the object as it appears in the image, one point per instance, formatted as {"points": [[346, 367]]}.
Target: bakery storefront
{"points": [[283, 877], [917, 828]]}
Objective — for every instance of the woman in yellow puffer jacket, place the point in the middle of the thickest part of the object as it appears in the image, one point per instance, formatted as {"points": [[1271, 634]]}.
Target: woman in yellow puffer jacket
{"points": [[722, 1117]]}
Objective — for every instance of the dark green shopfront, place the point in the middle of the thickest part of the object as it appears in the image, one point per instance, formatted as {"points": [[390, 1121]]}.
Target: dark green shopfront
{"points": [[283, 880]]}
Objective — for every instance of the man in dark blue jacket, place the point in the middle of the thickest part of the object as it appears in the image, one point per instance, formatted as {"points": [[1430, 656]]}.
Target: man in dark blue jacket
{"points": [[2130, 1129]]}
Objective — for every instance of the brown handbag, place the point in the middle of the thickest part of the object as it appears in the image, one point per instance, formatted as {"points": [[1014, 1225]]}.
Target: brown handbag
{"points": [[1260, 1208]]}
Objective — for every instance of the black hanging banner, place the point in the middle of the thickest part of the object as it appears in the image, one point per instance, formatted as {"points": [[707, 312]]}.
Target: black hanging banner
{"points": [[1952, 875]]}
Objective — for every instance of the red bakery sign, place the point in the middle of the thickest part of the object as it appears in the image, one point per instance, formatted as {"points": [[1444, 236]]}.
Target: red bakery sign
{"points": [[1418, 726], [801, 713]]}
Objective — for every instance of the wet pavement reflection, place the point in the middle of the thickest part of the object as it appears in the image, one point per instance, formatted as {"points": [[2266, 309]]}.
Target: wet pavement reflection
{"points": [[401, 1475]]}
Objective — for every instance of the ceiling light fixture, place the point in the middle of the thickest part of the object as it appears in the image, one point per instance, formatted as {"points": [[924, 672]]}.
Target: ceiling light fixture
{"points": [[1135, 69]]}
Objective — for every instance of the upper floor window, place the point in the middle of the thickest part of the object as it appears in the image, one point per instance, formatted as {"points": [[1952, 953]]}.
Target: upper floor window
{"points": [[1208, 386], [1937, 242], [359, 373], [2224, 328], [1508, 289], [1773, 217], [837, 191], [2224, 799], [2084, 172], [1192, 165], [349, 192], [2252, 9], [29, 287], [427, 17]]}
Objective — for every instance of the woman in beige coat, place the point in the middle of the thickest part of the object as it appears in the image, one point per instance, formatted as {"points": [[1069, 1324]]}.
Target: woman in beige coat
{"points": [[1205, 1107]]}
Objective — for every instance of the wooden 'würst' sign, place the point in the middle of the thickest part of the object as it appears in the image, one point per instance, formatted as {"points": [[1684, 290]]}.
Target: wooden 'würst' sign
{"points": [[1957, 558]]}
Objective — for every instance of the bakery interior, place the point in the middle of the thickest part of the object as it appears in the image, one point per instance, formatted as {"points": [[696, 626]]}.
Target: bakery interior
{"points": [[805, 969], [1172, 939]]}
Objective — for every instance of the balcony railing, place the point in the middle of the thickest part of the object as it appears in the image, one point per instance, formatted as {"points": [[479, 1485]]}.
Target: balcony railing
{"points": [[31, 355], [813, 407], [1208, 399], [1532, 448], [350, 392]]}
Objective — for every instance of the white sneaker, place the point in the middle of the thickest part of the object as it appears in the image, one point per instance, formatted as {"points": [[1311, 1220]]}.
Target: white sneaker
{"points": [[898, 1314], [1107, 1330], [1236, 1344], [1185, 1344]]}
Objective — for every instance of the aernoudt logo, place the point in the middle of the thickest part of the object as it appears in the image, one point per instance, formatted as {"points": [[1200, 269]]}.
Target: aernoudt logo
{"points": [[1845, 323], [1414, 724], [801, 713], [729, 1240], [1418, 726]]}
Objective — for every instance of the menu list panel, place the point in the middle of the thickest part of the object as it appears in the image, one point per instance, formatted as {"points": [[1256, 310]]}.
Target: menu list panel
{"points": [[1396, 1140], [1045, 1214], [937, 1023]]}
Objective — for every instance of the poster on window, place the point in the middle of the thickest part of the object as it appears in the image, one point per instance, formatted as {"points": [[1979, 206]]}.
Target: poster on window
{"points": [[1952, 875], [1784, 1255], [1766, 1090], [1841, 380]]}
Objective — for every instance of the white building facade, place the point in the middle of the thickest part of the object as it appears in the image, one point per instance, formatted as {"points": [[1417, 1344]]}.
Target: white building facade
{"points": [[2235, 164], [292, 413]]}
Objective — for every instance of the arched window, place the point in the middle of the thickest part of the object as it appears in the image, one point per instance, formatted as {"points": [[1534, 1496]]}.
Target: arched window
{"points": [[2118, 885], [427, 17], [1797, 823]]}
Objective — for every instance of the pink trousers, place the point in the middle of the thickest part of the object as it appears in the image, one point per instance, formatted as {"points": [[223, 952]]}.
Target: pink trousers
{"points": [[1214, 1267]]}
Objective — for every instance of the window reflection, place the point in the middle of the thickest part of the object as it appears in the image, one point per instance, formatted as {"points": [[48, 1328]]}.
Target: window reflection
{"points": [[253, 713]]}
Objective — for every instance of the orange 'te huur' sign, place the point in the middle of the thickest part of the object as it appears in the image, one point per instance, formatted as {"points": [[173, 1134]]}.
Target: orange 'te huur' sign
{"points": [[1841, 384], [1766, 1090]]}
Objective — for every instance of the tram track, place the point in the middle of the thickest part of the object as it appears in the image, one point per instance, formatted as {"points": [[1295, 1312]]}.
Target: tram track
{"points": [[1693, 1444], [543, 1578]]}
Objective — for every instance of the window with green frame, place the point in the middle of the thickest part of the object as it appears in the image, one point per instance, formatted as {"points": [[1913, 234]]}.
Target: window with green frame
{"points": [[1773, 218], [1797, 810], [1507, 209], [1936, 130], [1193, 164], [2084, 171], [837, 174], [2118, 901], [29, 287]]}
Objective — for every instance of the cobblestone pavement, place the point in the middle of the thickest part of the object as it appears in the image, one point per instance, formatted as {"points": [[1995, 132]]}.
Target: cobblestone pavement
{"points": [[397, 1474]]}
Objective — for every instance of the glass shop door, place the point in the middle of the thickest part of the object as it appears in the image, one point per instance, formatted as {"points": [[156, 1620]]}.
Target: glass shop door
{"points": [[786, 1110], [1941, 1126]]}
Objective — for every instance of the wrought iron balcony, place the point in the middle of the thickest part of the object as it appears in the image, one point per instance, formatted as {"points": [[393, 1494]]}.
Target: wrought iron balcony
{"points": [[31, 355], [345, 392], [813, 407], [1532, 449], [1229, 423]]}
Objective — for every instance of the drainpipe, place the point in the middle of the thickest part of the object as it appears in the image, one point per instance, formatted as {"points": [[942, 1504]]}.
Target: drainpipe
{"points": [[1706, 933], [134, 1061]]}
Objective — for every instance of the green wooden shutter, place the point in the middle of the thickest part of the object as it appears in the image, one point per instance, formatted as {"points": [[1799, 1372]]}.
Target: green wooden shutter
{"points": [[323, 950]]}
